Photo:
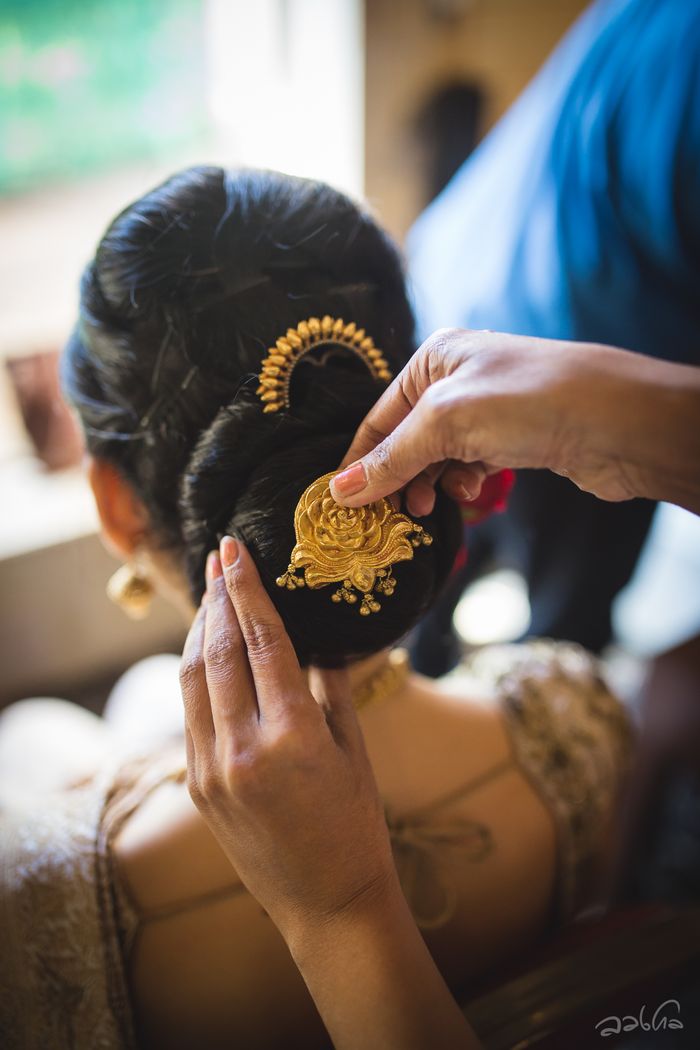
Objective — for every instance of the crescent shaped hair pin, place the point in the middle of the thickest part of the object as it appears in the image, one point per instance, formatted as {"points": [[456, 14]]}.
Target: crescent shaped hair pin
{"points": [[289, 349], [355, 547]]}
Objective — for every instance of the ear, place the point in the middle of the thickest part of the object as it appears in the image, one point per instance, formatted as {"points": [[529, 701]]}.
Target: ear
{"points": [[122, 515]]}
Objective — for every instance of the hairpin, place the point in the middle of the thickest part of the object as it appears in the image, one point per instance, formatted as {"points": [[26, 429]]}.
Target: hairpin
{"points": [[355, 547], [289, 349]]}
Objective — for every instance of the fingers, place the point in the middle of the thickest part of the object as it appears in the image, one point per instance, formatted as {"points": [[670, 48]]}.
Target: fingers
{"points": [[193, 684], [436, 358], [463, 481], [331, 690], [412, 410], [232, 696], [391, 408], [420, 493], [279, 683], [399, 458]]}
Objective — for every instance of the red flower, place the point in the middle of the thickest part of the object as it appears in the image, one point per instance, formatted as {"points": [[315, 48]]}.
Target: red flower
{"points": [[460, 559], [493, 498]]}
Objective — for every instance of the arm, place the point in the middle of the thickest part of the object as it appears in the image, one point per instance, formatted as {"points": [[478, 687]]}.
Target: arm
{"points": [[393, 995], [282, 777], [469, 403], [656, 437]]}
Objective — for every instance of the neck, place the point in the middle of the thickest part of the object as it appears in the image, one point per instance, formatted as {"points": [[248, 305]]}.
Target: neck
{"points": [[359, 673], [376, 678]]}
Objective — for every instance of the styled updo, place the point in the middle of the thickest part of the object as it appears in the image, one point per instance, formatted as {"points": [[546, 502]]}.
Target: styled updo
{"points": [[189, 287]]}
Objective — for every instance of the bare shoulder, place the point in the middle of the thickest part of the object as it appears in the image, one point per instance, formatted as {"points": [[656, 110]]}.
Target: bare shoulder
{"points": [[165, 852], [208, 964]]}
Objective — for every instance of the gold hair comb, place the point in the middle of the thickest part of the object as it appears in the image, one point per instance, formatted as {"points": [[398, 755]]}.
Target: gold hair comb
{"points": [[289, 349], [355, 547]]}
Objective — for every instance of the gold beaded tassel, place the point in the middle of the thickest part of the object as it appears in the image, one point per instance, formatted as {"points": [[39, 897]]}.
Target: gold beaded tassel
{"points": [[290, 580], [380, 581], [385, 585], [288, 350]]}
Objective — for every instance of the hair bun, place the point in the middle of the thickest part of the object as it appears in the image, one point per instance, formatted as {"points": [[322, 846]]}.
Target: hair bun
{"points": [[190, 287], [245, 478]]}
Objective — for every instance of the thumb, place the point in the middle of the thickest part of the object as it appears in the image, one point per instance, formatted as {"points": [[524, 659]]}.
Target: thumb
{"points": [[331, 690], [395, 461]]}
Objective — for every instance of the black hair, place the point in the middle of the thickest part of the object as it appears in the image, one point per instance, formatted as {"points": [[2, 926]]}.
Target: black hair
{"points": [[189, 287]]}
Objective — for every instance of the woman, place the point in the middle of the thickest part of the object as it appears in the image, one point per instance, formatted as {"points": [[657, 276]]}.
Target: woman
{"points": [[127, 923]]}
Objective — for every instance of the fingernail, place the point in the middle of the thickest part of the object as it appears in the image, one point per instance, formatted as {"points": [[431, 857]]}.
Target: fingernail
{"points": [[416, 506], [229, 551], [351, 480], [213, 566], [464, 492]]}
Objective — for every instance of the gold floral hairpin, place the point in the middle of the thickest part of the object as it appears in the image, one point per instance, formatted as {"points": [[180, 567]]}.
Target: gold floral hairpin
{"points": [[355, 547], [289, 349]]}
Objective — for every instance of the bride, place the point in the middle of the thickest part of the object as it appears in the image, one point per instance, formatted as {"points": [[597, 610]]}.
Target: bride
{"points": [[124, 922]]}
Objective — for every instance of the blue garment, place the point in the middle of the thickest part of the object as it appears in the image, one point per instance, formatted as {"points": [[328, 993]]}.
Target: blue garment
{"points": [[578, 217]]}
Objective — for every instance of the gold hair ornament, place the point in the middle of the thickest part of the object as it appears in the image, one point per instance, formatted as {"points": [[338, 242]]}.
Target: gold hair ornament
{"points": [[353, 546], [289, 349]]}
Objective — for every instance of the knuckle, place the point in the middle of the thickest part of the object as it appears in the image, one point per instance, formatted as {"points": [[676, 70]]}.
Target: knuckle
{"points": [[217, 651], [245, 774], [194, 789], [437, 418], [284, 742], [190, 672], [438, 340], [439, 343], [201, 787], [208, 785], [285, 753], [447, 334], [444, 350], [263, 638], [382, 461], [437, 403], [369, 436]]}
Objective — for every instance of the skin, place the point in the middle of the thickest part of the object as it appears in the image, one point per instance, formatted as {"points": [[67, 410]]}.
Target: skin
{"points": [[289, 784], [263, 758], [286, 843], [214, 963], [232, 967], [469, 403]]}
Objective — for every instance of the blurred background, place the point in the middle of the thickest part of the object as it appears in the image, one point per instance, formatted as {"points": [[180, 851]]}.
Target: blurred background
{"points": [[393, 101], [100, 99]]}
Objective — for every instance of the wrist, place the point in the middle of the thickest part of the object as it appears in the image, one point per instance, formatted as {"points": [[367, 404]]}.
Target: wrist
{"points": [[628, 423], [374, 981], [378, 907], [657, 438], [666, 459]]}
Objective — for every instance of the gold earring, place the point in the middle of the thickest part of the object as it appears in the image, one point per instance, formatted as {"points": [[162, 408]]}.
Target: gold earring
{"points": [[132, 591]]}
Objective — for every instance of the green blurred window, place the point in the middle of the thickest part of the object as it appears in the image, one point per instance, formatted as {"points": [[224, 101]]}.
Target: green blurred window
{"points": [[86, 85]]}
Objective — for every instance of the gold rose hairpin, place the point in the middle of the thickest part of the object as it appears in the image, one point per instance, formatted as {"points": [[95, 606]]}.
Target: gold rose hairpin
{"points": [[355, 547], [289, 349]]}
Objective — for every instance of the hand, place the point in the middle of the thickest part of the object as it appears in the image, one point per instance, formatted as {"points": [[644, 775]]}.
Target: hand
{"points": [[470, 403], [278, 770], [281, 776]]}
